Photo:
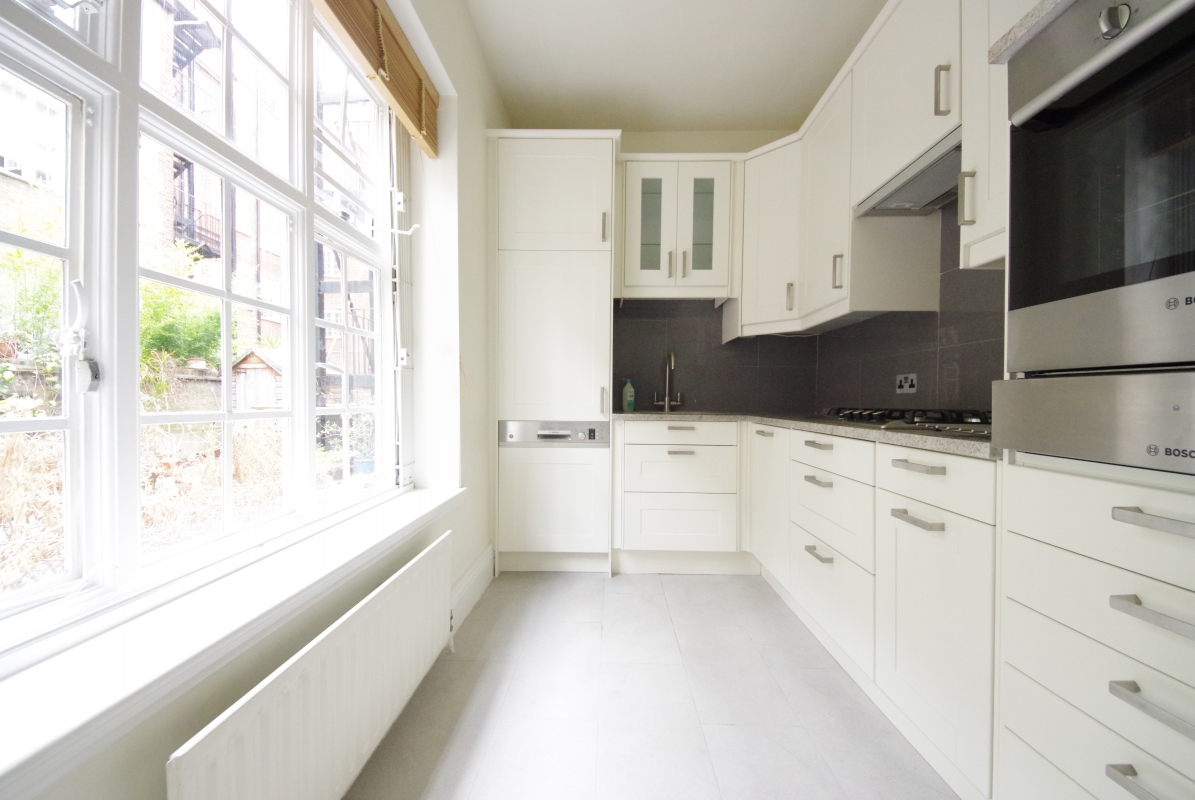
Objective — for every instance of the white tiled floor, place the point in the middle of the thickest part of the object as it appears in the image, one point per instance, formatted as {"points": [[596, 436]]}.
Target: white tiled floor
{"points": [[642, 686]]}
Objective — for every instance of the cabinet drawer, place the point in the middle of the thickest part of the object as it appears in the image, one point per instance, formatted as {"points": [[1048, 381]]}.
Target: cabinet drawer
{"points": [[963, 485], [1081, 747], [839, 594], [681, 432], [1080, 670], [677, 468], [848, 505], [1025, 775], [935, 601], [858, 547], [694, 522], [853, 458], [1075, 512], [1077, 591]]}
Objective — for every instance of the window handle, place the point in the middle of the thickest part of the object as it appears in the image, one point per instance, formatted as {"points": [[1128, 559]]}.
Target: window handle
{"points": [[823, 484], [903, 515], [1122, 775], [1131, 604], [811, 549], [913, 466], [1135, 516], [1130, 692], [939, 111]]}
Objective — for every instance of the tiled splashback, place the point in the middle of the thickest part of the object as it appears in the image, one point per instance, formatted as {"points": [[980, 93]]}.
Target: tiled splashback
{"points": [[956, 353]]}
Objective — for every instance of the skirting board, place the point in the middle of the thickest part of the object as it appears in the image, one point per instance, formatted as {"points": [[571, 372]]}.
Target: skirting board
{"points": [[469, 588], [674, 563], [554, 562], [933, 756]]}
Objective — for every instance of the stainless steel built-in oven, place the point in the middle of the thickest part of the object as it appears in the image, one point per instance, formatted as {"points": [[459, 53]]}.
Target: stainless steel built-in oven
{"points": [[1101, 266]]}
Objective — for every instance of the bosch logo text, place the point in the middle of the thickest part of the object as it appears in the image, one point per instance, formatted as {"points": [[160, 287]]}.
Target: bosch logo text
{"points": [[1177, 453]]}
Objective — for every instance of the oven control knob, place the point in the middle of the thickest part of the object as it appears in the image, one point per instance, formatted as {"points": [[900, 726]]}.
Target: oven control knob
{"points": [[1114, 19]]}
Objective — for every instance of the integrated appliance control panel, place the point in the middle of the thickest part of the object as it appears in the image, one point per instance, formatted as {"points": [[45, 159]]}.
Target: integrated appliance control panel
{"points": [[546, 433]]}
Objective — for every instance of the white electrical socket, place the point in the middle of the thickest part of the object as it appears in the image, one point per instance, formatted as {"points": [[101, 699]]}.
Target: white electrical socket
{"points": [[907, 383]]}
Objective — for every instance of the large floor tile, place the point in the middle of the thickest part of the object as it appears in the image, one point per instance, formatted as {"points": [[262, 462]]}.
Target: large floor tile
{"points": [[769, 763], [551, 692], [717, 644], [738, 694], [636, 609], [630, 583], [645, 693], [654, 761], [632, 643], [787, 644], [539, 760]]}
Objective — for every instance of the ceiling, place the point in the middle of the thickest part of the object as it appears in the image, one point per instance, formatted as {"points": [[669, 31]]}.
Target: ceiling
{"points": [[667, 65]]}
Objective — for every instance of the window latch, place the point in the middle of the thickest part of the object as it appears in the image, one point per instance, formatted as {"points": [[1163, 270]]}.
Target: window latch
{"points": [[71, 342]]}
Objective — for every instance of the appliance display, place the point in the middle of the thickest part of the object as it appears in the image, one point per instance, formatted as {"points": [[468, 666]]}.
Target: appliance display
{"points": [[1101, 268]]}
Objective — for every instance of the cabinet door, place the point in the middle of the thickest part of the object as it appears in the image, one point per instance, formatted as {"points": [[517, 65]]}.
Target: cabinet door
{"points": [[554, 319], [703, 223], [906, 94], [983, 205], [934, 626], [555, 194], [825, 206], [651, 257], [554, 500], [768, 449], [684, 522], [771, 216]]}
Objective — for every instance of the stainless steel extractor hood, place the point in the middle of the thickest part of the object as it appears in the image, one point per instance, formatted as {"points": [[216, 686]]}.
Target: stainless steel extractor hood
{"points": [[923, 187]]}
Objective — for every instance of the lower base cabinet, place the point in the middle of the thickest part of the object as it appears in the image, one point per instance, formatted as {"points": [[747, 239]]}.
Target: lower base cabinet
{"points": [[837, 593], [1025, 775], [680, 521]]}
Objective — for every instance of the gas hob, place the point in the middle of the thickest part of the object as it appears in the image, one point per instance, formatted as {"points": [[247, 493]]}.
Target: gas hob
{"points": [[971, 423]]}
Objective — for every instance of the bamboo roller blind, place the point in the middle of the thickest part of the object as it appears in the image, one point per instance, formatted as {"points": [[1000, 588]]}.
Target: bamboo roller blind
{"points": [[370, 32]]}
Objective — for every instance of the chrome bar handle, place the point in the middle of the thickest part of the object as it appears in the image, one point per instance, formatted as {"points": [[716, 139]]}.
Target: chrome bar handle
{"points": [[835, 278], [684, 263], [1130, 692], [1133, 515], [604, 238], [903, 515], [1131, 604], [671, 262], [602, 400], [938, 110], [818, 445], [913, 466], [788, 297], [1122, 775], [762, 432], [811, 549], [823, 484], [963, 219], [682, 452], [682, 427]]}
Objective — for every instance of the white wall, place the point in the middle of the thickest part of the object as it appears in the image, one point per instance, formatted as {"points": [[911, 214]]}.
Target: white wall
{"points": [[450, 263]]}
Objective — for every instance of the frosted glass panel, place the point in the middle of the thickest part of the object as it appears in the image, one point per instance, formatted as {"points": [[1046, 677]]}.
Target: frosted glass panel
{"points": [[703, 223], [650, 223]]}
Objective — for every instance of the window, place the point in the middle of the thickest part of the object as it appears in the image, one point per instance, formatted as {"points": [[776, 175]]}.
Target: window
{"points": [[238, 291]]}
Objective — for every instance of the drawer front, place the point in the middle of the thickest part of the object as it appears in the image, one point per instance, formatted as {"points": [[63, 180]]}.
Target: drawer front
{"points": [[858, 547], [687, 522], [1081, 747], [723, 433], [853, 458], [843, 501], [935, 603], [1076, 513], [679, 468], [1025, 775], [839, 594], [1150, 709], [963, 485], [1078, 592]]}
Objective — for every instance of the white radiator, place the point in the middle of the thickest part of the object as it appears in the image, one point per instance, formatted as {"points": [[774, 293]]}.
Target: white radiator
{"points": [[305, 732]]}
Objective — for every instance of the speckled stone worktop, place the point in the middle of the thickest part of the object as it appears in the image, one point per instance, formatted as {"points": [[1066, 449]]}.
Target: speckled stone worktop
{"points": [[956, 444], [1029, 26]]}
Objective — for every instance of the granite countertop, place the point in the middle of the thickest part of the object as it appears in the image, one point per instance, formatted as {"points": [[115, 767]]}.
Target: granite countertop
{"points": [[955, 444], [1041, 15]]}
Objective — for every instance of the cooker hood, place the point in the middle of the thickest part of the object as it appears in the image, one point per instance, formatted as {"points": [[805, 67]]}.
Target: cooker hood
{"points": [[923, 187]]}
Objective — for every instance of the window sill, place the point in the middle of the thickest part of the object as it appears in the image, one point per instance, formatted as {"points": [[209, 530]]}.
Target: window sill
{"points": [[103, 686]]}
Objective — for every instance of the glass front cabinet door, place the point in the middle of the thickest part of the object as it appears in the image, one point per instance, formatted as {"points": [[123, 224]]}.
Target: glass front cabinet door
{"points": [[678, 224]]}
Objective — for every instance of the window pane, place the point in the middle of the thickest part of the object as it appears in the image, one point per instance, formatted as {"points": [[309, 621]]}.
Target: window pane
{"points": [[361, 444], [30, 316], [329, 449], [329, 273], [360, 124], [261, 251], [182, 479], [32, 535], [347, 205], [331, 76], [182, 57], [361, 288], [259, 111], [266, 24], [180, 350], [180, 214], [32, 161], [360, 367], [260, 358], [329, 377], [258, 456]]}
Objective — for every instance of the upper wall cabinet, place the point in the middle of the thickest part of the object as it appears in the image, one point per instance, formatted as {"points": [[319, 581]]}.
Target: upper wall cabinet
{"points": [[555, 194], [906, 91], [825, 206], [678, 226], [771, 220]]}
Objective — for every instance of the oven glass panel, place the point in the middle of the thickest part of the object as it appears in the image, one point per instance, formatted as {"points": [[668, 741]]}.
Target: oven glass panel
{"points": [[1103, 193]]}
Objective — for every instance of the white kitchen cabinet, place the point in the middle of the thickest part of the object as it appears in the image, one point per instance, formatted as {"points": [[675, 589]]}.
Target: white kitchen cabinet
{"points": [[554, 330], [825, 229], [838, 594], [677, 468], [983, 203], [768, 472], [771, 225], [935, 576], [677, 226], [906, 91], [555, 194], [680, 521], [960, 484], [554, 500]]}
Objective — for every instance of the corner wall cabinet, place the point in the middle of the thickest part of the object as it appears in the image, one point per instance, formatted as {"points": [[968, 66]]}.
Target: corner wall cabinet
{"points": [[771, 244]]}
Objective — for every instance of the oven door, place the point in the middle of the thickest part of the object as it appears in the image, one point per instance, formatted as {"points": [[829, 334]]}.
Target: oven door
{"points": [[1102, 220]]}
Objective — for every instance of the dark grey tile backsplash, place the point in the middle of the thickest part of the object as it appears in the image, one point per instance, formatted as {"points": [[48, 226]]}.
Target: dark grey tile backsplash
{"points": [[956, 352]]}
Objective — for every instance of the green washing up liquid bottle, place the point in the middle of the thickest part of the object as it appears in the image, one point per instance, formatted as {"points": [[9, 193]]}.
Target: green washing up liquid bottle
{"points": [[628, 397]]}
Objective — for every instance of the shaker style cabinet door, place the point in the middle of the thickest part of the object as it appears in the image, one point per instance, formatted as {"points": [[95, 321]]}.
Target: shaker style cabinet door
{"points": [[651, 257], [555, 194], [703, 223], [768, 492], [906, 91], [771, 216], [825, 205]]}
